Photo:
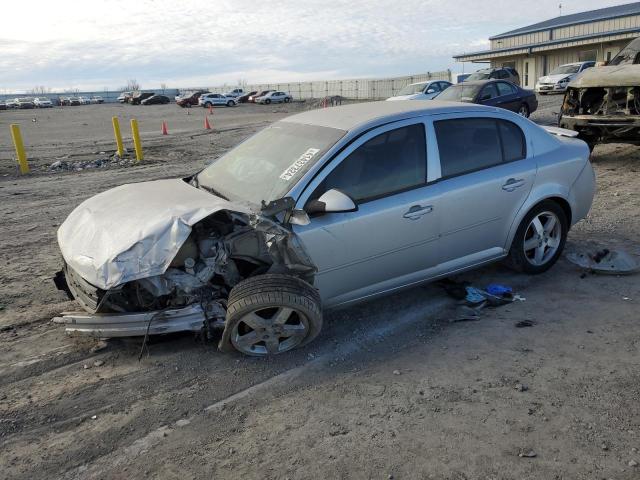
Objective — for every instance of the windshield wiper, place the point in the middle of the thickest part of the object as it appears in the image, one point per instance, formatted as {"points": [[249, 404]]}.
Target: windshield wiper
{"points": [[212, 190]]}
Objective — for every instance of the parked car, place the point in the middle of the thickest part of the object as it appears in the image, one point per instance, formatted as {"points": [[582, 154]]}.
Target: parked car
{"points": [[255, 96], [245, 97], [422, 90], [84, 100], [498, 73], [138, 97], [274, 97], [74, 101], [42, 102], [156, 100], [213, 99], [97, 99], [559, 78], [320, 210], [493, 93], [3, 105], [189, 100], [25, 102], [236, 92], [603, 104], [13, 103], [124, 97]]}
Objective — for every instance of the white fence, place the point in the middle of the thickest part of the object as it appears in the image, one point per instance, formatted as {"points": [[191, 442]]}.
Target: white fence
{"points": [[362, 89]]}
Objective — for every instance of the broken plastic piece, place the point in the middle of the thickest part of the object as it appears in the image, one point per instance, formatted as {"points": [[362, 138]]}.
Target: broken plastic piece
{"points": [[612, 262]]}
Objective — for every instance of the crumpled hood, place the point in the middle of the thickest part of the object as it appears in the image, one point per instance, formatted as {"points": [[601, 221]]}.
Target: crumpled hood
{"points": [[555, 78], [134, 231], [614, 76]]}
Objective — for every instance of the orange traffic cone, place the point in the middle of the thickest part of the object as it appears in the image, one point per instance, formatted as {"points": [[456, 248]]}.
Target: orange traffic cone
{"points": [[164, 128], [206, 123], [210, 109]]}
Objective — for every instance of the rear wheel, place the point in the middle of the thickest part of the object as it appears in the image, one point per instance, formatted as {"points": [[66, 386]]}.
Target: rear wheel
{"points": [[540, 239], [271, 314], [267, 101], [523, 111], [287, 99]]}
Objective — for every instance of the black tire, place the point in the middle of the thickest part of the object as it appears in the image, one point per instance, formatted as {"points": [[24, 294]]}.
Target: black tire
{"points": [[266, 293], [267, 101], [188, 105], [524, 110], [517, 258], [230, 103], [287, 99], [207, 104]]}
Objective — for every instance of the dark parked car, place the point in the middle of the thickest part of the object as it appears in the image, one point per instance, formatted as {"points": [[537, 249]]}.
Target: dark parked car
{"points": [[252, 98], [495, 73], [139, 97], [156, 100], [493, 93], [3, 106], [245, 98], [190, 100]]}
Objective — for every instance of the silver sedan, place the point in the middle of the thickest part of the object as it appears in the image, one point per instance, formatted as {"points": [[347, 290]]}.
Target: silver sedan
{"points": [[323, 209]]}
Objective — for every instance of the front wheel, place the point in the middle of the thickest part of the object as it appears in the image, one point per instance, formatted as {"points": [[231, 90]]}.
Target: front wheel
{"points": [[523, 111], [230, 103], [270, 314], [540, 239], [267, 101], [287, 99]]}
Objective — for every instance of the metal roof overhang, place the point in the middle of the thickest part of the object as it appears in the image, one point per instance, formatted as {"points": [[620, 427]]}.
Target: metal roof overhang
{"points": [[486, 55]]}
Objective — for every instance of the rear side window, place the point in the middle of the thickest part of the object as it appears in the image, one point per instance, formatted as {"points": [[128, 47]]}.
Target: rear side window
{"points": [[505, 88], [470, 144], [388, 163]]}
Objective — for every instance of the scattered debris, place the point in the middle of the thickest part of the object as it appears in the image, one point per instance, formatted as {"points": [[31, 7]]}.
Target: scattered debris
{"points": [[396, 372], [605, 261], [521, 387], [103, 162], [98, 363], [632, 463], [466, 314], [527, 454], [525, 323]]}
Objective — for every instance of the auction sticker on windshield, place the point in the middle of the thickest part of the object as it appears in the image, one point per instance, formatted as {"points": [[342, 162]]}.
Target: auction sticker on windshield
{"points": [[296, 166]]}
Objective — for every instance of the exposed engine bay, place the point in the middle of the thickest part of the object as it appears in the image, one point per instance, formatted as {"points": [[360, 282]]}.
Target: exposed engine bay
{"points": [[603, 114], [220, 250]]}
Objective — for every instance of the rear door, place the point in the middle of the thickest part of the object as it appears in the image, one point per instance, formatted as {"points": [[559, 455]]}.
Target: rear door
{"points": [[507, 97], [391, 240], [487, 174]]}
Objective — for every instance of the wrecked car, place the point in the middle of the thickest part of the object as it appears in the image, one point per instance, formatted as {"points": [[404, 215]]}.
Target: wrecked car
{"points": [[602, 104], [321, 210]]}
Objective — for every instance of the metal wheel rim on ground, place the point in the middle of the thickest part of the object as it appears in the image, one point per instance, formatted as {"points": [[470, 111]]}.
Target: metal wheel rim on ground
{"points": [[542, 238], [270, 330]]}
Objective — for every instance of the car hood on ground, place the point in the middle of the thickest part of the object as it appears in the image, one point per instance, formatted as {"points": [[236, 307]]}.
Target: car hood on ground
{"points": [[614, 76], [134, 231]]}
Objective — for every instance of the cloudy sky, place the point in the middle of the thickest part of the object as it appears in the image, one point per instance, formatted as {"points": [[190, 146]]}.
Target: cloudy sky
{"points": [[93, 44]]}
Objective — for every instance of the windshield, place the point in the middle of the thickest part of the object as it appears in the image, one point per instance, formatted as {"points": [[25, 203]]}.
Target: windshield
{"points": [[412, 89], [479, 75], [629, 55], [565, 70], [267, 165], [460, 93]]}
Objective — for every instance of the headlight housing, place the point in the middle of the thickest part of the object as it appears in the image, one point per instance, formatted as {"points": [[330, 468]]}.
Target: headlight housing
{"points": [[565, 80]]}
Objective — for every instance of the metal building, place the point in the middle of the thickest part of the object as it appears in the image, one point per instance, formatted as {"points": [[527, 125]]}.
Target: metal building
{"points": [[537, 49]]}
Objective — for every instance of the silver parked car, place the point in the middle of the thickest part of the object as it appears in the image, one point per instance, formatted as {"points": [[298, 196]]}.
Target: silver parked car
{"points": [[274, 97], [319, 210], [213, 99], [421, 91]]}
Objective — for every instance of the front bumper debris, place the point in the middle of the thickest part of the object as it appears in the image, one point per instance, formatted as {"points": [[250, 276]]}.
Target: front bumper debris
{"points": [[107, 325]]}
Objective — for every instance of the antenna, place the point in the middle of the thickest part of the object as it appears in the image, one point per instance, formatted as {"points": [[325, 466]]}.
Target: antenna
{"points": [[560, 8]]}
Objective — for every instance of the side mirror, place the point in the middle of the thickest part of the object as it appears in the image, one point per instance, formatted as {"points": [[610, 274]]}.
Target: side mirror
{"points": [[331, 201]]}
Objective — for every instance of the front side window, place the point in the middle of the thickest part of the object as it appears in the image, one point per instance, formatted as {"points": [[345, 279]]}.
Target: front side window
{"points": [[488, 92], [504, 88], [470, 144], [391, 162]]}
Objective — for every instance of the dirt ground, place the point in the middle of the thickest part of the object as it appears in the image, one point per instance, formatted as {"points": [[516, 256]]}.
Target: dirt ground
{"points": [[391, 388]]}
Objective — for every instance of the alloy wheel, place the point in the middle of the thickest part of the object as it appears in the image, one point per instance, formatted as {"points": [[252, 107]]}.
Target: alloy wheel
{"points": [[271, 330], [542, 238]]}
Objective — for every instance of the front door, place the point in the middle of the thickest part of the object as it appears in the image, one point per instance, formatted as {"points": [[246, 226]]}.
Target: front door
{"points": [[487, 174], [392, 237]]}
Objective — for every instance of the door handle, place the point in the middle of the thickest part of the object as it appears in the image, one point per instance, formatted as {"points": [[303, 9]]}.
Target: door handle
{"points": [[513, 183], [417, 211]]}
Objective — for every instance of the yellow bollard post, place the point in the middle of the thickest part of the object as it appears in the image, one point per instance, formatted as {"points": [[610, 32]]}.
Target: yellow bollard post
{"points": [[136, 139], [116, 133], [17, 142]]}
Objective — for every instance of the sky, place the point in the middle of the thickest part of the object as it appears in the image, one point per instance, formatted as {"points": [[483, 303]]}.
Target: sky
{"points": [[98, 44]]}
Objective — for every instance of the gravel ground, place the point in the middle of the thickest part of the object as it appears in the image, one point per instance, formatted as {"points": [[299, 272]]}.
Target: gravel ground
{"points": [[391, 388]]}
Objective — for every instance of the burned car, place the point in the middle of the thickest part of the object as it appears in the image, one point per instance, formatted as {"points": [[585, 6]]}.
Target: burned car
{"points": [[603, 103], [320, 210]]}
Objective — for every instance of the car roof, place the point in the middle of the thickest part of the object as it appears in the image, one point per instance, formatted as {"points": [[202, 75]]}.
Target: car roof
{"points": [[351, 117]]}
